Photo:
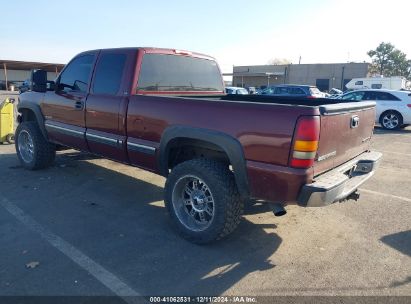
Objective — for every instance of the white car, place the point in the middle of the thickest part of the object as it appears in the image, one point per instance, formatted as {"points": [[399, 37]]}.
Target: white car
{"points": [[393, 107], [236, 90]]}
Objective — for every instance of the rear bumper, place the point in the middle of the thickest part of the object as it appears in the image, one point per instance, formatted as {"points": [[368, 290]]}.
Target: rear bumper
{"points": [[339, 183]]}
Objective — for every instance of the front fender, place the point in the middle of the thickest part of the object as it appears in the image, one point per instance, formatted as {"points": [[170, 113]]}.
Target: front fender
{"points": [[31, 101]]}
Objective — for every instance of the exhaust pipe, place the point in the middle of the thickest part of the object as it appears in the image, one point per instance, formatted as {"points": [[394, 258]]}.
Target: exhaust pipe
{"points": [[278, 210]]}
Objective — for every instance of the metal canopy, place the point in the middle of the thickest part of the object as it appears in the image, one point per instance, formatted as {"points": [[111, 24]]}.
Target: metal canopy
{"points": [[27, 65]]}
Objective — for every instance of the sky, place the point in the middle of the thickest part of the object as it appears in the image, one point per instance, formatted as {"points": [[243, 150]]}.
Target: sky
{"points": [[236, 32]]}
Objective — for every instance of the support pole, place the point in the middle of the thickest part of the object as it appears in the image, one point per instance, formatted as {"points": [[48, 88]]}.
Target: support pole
{"points": [[5, 75]]}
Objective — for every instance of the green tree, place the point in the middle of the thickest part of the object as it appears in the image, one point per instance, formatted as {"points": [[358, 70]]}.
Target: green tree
{"points": [[381, 56], [389, 61]]}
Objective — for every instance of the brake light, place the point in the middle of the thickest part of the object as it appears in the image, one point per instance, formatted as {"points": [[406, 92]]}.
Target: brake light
{"points": [[305, 145], [409, 105], [311, 97]]}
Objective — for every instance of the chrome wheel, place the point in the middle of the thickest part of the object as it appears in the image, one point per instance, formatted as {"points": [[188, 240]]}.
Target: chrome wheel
{"points": [[390, 121], [193, 203], [25, 146]]}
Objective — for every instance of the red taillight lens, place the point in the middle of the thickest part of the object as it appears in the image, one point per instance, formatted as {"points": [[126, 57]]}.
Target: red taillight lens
{"points": [[409, 105], [301, 163], [305, 144]]}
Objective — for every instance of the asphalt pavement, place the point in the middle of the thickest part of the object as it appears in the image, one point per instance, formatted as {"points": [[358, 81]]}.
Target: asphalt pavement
{"points": [[90, 226]]}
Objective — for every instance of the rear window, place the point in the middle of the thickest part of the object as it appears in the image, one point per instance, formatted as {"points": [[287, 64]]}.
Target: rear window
{"points": [[171, 73]]}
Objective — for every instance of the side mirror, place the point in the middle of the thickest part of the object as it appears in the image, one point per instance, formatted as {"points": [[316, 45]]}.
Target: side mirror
{"points": [[51, 86], [39, 81]]}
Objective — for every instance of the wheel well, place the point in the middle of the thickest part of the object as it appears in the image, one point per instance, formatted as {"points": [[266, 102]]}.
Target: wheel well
{"points": [[183, 149], [27, 115], [387, 111]]}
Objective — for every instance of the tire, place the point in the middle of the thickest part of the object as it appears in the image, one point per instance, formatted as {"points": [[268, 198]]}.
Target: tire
{"points": [[10, 138], [391, 120], [33, 150], [214, 182]]}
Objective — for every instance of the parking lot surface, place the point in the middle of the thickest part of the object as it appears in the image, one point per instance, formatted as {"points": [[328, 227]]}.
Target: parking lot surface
{"points": [[89, 226]]}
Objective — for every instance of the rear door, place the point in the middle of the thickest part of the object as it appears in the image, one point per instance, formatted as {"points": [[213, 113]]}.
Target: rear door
{"points": [[63, 108], [346, 131], [107, 103]]}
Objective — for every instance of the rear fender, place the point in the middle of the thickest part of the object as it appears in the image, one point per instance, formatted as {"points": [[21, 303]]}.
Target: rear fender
{"points": [[225, 142]]}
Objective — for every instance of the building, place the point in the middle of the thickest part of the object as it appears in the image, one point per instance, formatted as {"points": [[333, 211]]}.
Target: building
{"points": [[13, 73], [324, 76]]}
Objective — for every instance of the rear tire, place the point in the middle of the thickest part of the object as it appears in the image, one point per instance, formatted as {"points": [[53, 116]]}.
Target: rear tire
{"points": [[33, 150], [203, 201], [391, 120]]}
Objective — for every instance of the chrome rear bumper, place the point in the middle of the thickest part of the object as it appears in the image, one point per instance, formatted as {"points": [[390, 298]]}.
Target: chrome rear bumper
{"points": [[339, 183]]}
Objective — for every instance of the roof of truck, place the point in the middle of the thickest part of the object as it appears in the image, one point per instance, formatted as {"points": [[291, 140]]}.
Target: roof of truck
{"points": [[155, 50]]}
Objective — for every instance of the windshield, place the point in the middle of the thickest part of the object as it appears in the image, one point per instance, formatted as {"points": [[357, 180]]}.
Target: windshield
{"points": [[160, 72]]}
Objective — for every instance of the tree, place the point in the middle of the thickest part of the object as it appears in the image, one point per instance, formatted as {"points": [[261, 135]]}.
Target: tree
{"points": [[279, 61], [399, 65], [381, 55], [389, 61]]}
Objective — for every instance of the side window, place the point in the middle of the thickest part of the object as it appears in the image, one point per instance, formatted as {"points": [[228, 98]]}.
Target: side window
{"points": [[359, 82], [77, 74], [376, 86], [386, 96], [355, 96], [295, 91], [370, 95], [281, 91], [109, 72]]}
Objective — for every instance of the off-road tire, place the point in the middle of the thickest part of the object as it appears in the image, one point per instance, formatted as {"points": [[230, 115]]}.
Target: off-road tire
{"points": [[228, 205], [44, 152]]}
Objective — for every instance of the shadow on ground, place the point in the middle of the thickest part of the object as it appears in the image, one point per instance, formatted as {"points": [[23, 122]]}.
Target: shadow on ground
{"points": [[400, 241], [120, 222], [380, 130]]}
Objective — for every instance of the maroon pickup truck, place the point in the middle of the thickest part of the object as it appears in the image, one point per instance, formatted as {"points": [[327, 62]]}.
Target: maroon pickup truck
{"points": [[165, 111]]}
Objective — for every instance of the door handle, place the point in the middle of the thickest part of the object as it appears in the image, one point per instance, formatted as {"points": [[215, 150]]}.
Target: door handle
{"points": [[78, 105]]}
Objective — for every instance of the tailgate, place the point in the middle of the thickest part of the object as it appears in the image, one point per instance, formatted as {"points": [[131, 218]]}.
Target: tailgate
{"points": [[346, 130]]}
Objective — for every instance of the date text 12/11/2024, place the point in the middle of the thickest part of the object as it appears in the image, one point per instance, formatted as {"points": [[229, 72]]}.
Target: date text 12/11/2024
{"points": [[204, 299]]}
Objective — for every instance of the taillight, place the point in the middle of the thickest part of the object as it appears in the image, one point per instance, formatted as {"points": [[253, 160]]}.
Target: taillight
{"points": [[409, 105], [305, 145]]}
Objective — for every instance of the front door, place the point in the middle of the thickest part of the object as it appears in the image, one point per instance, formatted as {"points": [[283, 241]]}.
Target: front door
{"points": [[64, 108]]}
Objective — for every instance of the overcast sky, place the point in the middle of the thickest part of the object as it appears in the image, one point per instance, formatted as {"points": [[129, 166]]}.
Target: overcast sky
{"points": [[236, 32]]}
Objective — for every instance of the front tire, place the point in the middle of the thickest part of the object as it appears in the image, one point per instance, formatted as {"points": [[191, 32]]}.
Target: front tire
{"points": [[33, 150], [203, 201], [391, 120]]}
